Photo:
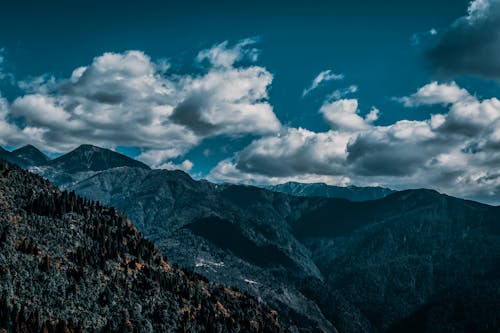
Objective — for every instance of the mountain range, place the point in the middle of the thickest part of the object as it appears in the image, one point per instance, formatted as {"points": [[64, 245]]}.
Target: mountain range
{"points": [[413, 260], [353, 193]]}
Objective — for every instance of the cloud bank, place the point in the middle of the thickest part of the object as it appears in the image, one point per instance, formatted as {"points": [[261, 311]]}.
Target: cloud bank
{"points": [[456, 152], [127, 99]]}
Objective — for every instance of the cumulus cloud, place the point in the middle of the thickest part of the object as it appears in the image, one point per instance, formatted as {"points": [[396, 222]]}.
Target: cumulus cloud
{"points": [[322, 77], [231, 102], [436, 93], [128, 99], [295, 151], [342, 115], [471, 45], [456, 152], [185, 166]]}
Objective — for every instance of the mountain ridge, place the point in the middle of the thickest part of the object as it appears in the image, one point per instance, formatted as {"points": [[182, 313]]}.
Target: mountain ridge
{"points": [[351, 192]]}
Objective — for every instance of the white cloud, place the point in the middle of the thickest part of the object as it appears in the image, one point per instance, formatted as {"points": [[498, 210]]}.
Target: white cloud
{"points": [[479, 9], [342, 115], [324, 76], [373, 115], [128, 99], [185, 166], [220, 55], [295, 151], [231, 102], [436, 93]]}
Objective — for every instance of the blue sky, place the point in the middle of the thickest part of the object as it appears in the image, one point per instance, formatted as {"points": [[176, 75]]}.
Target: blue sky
{"points": [[382, 50]]}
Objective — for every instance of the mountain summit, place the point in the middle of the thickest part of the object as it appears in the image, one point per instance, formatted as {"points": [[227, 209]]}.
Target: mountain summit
{"points": [[31, 155], [92, 158]]}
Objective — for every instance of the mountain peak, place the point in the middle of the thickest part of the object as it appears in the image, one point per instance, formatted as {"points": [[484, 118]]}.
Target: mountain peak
{"points": [[87, 146], [87, 157], [31, 155]]}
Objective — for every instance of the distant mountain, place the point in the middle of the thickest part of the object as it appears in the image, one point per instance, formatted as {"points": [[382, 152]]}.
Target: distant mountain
{"points": [[83, 162], [72, 265], [325, 263], [31, 156], [352, 193]]}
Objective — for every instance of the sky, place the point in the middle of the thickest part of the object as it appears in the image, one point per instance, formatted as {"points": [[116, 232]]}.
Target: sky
{"points": [[364, 93]]}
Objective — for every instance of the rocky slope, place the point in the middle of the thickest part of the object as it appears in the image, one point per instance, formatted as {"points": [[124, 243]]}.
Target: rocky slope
{"points": [[69, 264], [353, 193], [325, 263]]}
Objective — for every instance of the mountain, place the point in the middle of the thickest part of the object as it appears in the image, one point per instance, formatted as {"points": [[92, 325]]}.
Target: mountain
{"points": [[11, 158], [327, 264], [92, 158], [31, 156], [246, 246], [352, 193], [68, 264], [83, 162], [416, 256], [412, 261]]}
